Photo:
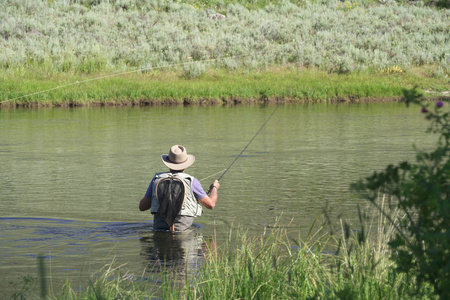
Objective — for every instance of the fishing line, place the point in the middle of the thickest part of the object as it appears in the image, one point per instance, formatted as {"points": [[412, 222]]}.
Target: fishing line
{"points": [[212, 175], [101, 77], [226, 170], [123, 73]]}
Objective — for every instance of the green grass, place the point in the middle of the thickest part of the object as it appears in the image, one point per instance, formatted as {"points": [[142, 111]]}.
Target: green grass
{"points": [[215, 86]]}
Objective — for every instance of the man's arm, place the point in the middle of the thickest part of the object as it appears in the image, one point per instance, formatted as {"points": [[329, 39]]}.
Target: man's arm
{"points": [[145, 203], [210, 201]]}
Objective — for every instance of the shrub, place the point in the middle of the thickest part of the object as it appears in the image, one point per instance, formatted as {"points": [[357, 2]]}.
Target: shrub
{"points": [[194, 70], [421, 246]]}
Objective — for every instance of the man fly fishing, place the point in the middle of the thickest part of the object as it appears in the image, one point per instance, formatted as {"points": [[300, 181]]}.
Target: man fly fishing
{"points": [[174, 197]]}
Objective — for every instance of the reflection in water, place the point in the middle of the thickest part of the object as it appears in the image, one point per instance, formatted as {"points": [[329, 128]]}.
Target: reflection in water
{"points": [[175, 251]]}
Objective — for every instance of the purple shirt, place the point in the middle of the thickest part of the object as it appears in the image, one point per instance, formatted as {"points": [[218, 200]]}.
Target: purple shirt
{"points": [[199, 193]]}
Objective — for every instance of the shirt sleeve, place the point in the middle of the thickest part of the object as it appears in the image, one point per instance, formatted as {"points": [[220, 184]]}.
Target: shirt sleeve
{"points": [[148, 193], [199, 193]]}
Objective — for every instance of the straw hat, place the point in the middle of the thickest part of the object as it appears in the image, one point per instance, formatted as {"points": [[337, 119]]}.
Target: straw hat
{"points": [[178, 159]]}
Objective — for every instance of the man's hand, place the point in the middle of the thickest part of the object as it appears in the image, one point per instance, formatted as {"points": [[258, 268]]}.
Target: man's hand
{"points": [[210, 200], [215, 184]]}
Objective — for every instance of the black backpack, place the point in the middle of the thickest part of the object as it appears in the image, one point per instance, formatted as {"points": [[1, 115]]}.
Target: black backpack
{"points": [[170, 194]]}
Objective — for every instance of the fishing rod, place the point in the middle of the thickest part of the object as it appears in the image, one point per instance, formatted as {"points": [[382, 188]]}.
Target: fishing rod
{"points": [[226, 170]]}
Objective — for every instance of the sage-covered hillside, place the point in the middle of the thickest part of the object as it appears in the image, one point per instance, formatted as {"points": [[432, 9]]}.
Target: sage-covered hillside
{"points": [[117, 35], [56, 38]]}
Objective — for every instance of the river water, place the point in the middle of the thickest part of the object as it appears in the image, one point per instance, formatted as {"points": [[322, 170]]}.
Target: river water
{"points": [[71, 179]]}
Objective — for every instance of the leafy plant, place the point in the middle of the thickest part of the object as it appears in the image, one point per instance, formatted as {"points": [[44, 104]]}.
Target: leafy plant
{"points": [[346, 6], [28, 283], [421, 189], [393, 70]]}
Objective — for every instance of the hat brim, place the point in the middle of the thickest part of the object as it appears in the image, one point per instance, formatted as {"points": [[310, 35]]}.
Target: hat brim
{"points": [[178, 167]]}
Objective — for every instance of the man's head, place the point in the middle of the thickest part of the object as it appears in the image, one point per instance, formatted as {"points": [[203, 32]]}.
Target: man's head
{"points": [[178, 159]]}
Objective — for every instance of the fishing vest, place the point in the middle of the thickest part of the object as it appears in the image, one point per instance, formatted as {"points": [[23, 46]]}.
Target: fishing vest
{"points": [[190, 207]]}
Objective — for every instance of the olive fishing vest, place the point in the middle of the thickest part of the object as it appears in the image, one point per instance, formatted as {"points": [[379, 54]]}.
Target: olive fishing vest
{"points": [[190, 207]]}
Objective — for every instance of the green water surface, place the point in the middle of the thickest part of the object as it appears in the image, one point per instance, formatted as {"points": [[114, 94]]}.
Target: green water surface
{"points": [[71, 179]]}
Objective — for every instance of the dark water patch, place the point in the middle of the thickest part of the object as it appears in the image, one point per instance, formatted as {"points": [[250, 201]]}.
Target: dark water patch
{"points": [[71, 237], [46, 229], [20, 236], [242, 155], [37, 219]]}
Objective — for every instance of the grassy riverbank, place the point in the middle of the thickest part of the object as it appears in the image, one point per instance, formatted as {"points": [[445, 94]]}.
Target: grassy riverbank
{"points": [[214, 87], [178, 51]]}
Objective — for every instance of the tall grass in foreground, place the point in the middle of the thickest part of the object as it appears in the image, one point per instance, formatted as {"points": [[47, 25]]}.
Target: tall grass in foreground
{"points": [[270, 267], [273, 266]]}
